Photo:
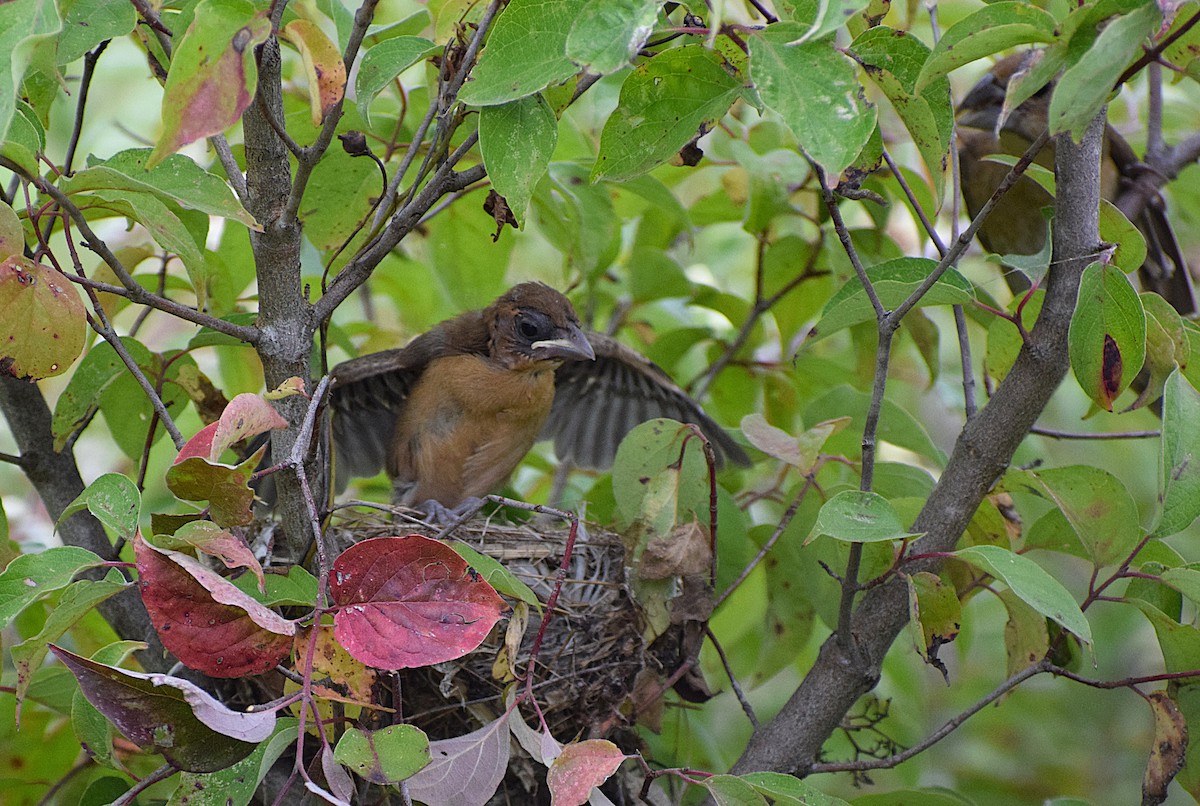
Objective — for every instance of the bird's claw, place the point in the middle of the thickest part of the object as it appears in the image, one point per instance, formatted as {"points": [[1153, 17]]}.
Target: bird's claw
{"points": [[437, 513]]}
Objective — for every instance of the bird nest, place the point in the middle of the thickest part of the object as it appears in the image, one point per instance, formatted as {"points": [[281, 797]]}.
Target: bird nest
{"points": [[592, 651]]}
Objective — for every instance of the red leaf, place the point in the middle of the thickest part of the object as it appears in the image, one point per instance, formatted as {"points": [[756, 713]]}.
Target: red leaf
{"points": [[42, 322], [199, 446], [581, 767], [409, 601], [188, 726], [245, 416], [208, 624]]}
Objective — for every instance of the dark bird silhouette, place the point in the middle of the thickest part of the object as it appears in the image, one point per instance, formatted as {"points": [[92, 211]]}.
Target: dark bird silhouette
{"points": [[451, 414], [1015, 225]]}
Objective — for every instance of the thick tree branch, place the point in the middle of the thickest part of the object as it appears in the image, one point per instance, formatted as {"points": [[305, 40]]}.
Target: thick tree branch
{"points": [[790, 742], [56, 478]]}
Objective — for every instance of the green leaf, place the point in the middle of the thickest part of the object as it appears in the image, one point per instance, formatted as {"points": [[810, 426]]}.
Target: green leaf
{"points": [[935, 613], [894, 282], [1085, 86], [815, 89], [609, 33], [87, 23], [1167, 346], [893, 60], [859, 516], [1107, 339], [525, 52], [32, 577], [1115, 228], [652, 484], [213, 73], [235, 786], [496, 575], [167, 229], [1094, 502], [576, 217], [177, 179], [788, 790], [114, 500], [1179, 483], [1026, 638], [383, 63], [98, 370], [664, 103], [729, 790], [22, 24], [79, 599], [1004, 340], [298, 588], [385, 756], [517, 140], [1028, 581], [991, 29]]}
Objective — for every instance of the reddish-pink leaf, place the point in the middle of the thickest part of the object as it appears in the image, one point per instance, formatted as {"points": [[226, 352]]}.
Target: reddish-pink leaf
{"points": [[323, 64], [199, 446], [212, 75], [581, 767], [208, 624], [245, 416], [409, 601], [191, 729], [42, 322], [465, 770], [207, 537]]}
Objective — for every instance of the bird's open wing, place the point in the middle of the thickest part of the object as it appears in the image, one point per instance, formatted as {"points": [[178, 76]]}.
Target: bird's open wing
{"points": [[596, 403], [368, 395]]}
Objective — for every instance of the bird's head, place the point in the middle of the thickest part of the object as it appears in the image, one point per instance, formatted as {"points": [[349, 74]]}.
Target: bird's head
{"points": [[532, 324], [981, 108]]}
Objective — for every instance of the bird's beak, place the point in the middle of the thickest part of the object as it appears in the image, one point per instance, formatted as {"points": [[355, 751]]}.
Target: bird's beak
{"points": [[574, 346]]}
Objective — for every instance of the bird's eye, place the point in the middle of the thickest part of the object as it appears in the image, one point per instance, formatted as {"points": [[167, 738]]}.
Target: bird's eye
{"points": [[532, 325]]}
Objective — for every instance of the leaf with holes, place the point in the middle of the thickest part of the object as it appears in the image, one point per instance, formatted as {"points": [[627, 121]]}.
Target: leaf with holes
{"points": [[409, 601], [385, 756]]}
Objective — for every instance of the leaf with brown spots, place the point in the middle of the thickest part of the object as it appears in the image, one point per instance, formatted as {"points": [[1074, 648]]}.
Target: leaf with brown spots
{"points": [[42, 322], [322, 63]]}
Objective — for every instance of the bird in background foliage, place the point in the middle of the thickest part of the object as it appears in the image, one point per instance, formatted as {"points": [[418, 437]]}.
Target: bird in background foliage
{"points": [[450, 415], [1016, 225]]}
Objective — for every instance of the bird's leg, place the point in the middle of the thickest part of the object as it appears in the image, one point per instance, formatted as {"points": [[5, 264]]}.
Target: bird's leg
{"points": [[438, 514]]}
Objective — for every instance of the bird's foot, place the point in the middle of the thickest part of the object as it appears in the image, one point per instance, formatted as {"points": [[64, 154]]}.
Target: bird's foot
{"points": [[437, 513]]}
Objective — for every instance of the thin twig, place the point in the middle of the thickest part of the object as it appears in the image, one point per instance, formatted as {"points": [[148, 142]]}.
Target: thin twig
{"points": [[747, 708], [862, 765], [1055, 434]]}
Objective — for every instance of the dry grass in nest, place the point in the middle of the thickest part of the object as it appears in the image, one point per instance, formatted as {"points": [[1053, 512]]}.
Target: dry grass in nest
{"points": [[593, 647]]}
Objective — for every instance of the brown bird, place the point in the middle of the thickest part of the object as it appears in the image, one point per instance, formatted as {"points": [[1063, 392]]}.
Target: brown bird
{"points": [[451, 415], [1016, 225]]}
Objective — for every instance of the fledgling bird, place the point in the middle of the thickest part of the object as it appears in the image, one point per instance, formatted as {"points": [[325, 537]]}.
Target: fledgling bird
{"points": [[1015, 225], [451, 414]]}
